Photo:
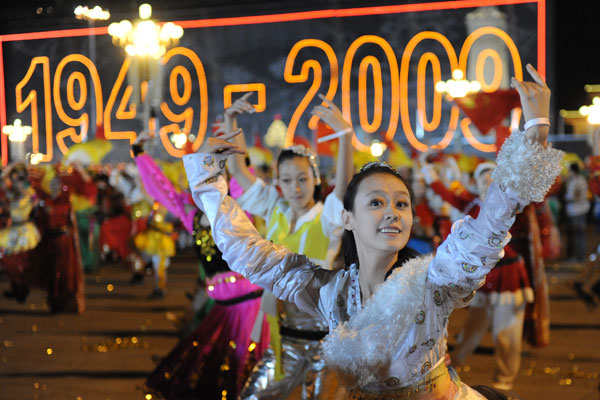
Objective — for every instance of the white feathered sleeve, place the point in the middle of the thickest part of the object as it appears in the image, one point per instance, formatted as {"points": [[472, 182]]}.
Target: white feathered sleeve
{"points": [[525, 173]]}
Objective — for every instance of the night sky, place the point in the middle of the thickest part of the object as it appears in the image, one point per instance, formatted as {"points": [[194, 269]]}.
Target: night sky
{"points": [[576, 50], [573, 48]]}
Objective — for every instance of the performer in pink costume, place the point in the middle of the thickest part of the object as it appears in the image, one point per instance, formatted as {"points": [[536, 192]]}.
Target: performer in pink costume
{"points": [[214, 360], [221, 342]]}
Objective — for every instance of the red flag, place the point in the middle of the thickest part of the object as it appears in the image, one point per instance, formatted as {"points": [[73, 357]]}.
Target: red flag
{"points": [[188, 148], [218, 126], [302, 140], [594, 174], [324, 148], [486, 110], [257, 142], [502, 133], [100, 132]]}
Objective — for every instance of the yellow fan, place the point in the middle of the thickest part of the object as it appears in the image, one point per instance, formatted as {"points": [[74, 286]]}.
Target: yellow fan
{"points": [[398, 157], [467, 163], [175, 172], [571, 158], [259, 156], [361, 158], [90, 152]]}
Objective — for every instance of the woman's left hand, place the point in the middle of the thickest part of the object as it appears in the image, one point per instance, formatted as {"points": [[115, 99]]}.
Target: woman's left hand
{"points": [[221, 144], [535, 102]]}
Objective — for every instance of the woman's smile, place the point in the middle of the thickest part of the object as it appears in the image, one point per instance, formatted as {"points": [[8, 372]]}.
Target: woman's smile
{"points": [[390, 230]]}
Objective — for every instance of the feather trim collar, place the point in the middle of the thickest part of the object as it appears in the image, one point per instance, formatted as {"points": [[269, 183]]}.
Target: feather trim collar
{"points": [[361, 349]]}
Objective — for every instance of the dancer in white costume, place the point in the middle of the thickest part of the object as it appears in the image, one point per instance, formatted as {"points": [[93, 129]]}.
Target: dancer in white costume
{"points": [[388, 336]]}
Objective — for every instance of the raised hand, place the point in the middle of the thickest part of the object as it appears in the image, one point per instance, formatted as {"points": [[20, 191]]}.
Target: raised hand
{"points": [[240, 106], [142, 138], [237, 162], [535, 102], [331, 115], [221, 144]]}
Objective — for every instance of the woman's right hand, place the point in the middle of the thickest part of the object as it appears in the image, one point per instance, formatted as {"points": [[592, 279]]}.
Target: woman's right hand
{"points": [[237, 164], [240, 106], [142, 138], [221, 144]]}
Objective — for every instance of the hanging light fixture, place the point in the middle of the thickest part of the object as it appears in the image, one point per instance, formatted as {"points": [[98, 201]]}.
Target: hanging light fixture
{"points": [[144, 37], [94, 13], [457, 86], [17, 132]]}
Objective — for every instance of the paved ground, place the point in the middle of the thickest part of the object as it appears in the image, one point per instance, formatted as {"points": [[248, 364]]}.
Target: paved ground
{"points": [[107, 352]]}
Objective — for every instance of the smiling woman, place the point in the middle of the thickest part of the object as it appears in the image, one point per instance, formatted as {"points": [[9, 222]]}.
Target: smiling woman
{"points": [[380, 201], [388, 332]]}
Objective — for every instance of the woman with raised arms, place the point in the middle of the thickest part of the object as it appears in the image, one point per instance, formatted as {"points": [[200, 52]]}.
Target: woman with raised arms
{"points": [[300, 221], [387, 312]]}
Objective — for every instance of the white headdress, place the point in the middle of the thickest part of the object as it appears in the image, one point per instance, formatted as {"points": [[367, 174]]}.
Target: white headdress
{"points": [[313, 160]]}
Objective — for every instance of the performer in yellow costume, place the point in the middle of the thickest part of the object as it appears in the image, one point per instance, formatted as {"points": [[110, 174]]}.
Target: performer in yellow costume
{"points": [[157, 242], [19, 236], [303, 223]]}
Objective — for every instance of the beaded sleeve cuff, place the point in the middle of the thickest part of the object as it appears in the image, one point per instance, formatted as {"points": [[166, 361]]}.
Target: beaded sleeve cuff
{"points": [[526, 167]]}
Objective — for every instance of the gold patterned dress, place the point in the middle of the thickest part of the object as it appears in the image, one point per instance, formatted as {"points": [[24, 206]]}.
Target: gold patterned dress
{"points": [[17, 241]]}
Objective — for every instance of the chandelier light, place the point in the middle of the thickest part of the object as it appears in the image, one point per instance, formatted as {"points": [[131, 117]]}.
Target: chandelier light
{"points": [[457, 86], [95, 13], [17, 132], [144, 37]]}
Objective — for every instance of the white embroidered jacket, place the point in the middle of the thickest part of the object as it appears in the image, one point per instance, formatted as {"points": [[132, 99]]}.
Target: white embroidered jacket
{"points": [[394, 338]]}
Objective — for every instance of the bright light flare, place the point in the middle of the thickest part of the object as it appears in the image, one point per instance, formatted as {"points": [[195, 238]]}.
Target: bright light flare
{"points": [[36, 158], [94, 13], [145, 37], [17, 132], [592, 112], [179, 140], [457, 86], [377, 149], [145, 11]]}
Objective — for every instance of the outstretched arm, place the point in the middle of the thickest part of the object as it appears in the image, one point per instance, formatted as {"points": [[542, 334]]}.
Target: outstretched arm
{"points": [[287, 275], [344, 168], [527, 168]]}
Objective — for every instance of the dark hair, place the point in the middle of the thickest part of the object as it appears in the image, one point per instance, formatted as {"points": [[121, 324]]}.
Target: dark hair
{"points": [[288, 155], [574, 167], [348, 242]]}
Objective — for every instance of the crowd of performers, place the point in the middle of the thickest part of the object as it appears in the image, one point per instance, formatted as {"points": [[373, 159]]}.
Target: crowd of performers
{"points": [[265, 322]]}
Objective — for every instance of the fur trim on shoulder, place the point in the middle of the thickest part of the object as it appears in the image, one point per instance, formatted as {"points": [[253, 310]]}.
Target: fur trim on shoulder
{"points": [[360, 349], [526, 167]]}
